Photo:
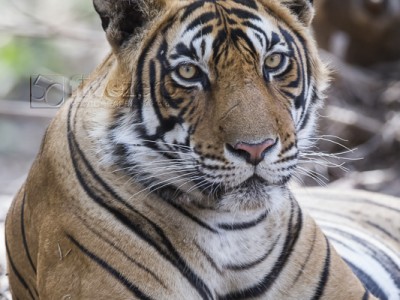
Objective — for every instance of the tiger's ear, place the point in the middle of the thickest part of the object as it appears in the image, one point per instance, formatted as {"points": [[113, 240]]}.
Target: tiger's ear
{"points": [[121, 18], [303, 9]]}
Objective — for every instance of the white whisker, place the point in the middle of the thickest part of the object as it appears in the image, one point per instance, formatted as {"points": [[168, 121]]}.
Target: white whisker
{"points": [[163, 183], [319, 178]]}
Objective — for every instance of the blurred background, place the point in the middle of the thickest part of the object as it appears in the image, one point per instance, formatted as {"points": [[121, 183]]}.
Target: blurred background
{"points": [[53, 45], [60, 41], [361, 41]]}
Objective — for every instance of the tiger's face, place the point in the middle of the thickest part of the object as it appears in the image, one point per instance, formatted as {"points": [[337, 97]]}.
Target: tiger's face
{"points": [[224, 98]]}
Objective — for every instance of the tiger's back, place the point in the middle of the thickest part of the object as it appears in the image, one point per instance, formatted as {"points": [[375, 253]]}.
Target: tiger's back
{"points": [[365, 230], [159, 179]]}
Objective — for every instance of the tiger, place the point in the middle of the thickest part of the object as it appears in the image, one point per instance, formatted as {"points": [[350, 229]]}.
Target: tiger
{"points": [[166, 175]]}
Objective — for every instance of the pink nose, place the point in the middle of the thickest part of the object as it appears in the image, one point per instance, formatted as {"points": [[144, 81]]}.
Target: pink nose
{"points": [[255, 152]]}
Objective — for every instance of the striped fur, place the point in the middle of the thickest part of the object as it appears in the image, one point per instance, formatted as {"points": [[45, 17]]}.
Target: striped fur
{"points": [[364, 228], [138, 191]]}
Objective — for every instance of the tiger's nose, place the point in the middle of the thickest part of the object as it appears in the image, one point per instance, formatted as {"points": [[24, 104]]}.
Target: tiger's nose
{"points": [[253, 153]]}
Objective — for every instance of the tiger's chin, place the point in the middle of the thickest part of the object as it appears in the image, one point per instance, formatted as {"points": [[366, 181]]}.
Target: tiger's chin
{"points": [[253, 194]]}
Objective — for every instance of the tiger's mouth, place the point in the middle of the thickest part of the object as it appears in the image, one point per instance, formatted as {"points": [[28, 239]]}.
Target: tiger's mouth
{"points": [[253, 185], [252, 194], [254, 182]]}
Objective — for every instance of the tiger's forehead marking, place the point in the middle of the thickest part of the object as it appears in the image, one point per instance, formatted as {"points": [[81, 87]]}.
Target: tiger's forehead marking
{"points": [[207, 26]]}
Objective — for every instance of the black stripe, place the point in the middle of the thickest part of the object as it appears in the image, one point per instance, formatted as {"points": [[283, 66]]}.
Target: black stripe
{"points": [[355, 269], [14, 269], [385, 261], [296, 81], [112, 271], [242, 14], [307, 88], [306, 117], [165, 70], [218, 46], [165, 124], [236, 35], [301, 269], [288, 94], [209, 258], [153, 82], [250, 265], [259, 38], [366, 295], [172, 256], [269, 279], [275, 39], [248, 3], [182, 50], [384, 231], [300, 100], [244, 225], [192, 8], [203, 47], [114, 246], [138, 87], [24, 235], [195, 219], [203, 19], [258, 30], [204, 31], [325, 273], [369, 283], [288, 158], [289, 147], [289, 69]]}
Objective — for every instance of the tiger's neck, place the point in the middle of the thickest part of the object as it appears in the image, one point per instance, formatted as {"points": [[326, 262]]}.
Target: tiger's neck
{"points": [[232, 246]]}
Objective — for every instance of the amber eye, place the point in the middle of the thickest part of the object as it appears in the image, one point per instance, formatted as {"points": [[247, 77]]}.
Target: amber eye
{"points": [[188, 71], [273, 61]]}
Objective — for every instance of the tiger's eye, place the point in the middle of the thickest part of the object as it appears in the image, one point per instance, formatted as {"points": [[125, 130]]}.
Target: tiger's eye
{"points": [[273, 61], [187, 71]]}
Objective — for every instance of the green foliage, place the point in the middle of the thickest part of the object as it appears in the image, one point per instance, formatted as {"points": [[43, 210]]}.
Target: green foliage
{"points": [[42, 41], [23, 56]]}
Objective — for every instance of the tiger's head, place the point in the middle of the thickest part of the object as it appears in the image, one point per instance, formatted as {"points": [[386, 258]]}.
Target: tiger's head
{"points": [[222, 96]]}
